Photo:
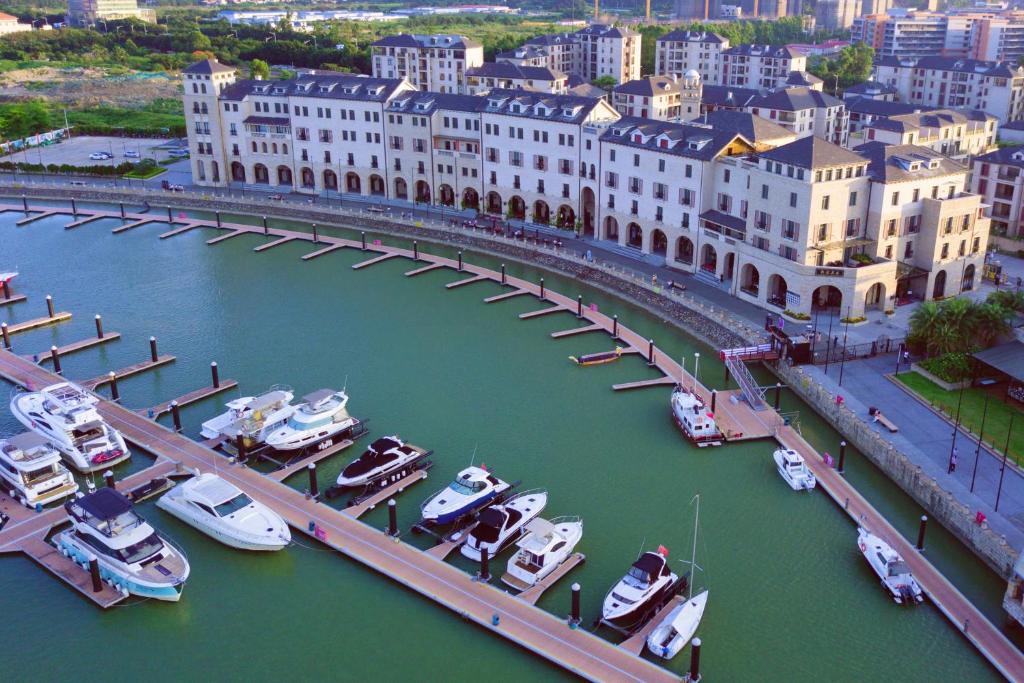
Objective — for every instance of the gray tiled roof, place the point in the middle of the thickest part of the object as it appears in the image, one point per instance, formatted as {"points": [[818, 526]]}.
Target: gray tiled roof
{"points": [[799, 78], [772, 51], [526, 103], [681, 35], [509, 70], [417, 102], [897, 163], [753, 128], [972, 66], [728, 96], [208, 66], [440, 40], [328, 86], [932, 119], [813, 152], [796, 99], [682, 139], [869, 88], [649, 86], [867, 105], [1004, 155]]}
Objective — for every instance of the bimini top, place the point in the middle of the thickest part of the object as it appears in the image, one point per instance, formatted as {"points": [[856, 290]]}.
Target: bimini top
{"points": [[649, 564], [318, 396], [69, 396], [27, 446], [104, 503], [381, 452]]}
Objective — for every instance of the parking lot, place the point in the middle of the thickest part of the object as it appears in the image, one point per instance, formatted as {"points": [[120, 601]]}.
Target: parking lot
{"points": [[76, 151]]}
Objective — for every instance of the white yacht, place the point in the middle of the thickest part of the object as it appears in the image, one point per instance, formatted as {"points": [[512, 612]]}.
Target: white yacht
{"points": [[224, 512], [316, 423], [500, 525], [384, 456], [132, 556], [794, 470], [30, 468], [65, 414], [546, 545], [254, 416], [472, 489], [676, 629], [890, 567], [696, 422], [646, 584]]}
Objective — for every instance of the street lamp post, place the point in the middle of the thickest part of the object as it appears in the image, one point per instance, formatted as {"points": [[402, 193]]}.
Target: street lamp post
{"points": [[956, 428], [1002, 470], [846, 331], [981, 434]]}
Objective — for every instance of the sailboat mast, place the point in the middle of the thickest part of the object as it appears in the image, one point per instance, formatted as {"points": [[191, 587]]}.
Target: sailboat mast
{"points": [[693, 555]]}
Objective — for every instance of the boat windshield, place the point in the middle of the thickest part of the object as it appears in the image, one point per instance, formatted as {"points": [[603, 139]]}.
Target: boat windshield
{"points": [[41, 474], [639, 576], [137, 552], [234, 505], [112, 527], [898, 568], [466, 489], [619, 598], [299, 424]]}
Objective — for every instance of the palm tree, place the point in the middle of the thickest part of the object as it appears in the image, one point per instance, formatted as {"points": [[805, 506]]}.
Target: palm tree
{"points": [[1008, 299], [923, 323], [990, 321]]}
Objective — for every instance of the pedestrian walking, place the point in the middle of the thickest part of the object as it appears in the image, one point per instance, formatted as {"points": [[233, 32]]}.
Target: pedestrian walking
{"points": [[952, 461]]}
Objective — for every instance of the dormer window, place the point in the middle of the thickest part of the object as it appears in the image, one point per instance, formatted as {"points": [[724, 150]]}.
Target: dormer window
{"points": [[933, 163], [638, 139]]}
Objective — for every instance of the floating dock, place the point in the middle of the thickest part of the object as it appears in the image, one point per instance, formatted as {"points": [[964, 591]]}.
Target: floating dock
{"points": [[190, 398], [502, 297], [129, 371], [423, 269], [83, 221], [36, 323], [275, 243], [635, 643], [313, 458], [577, 330], [12, 299], [77, 346], [532, 594], [361, 508], [542, 311], [320, 252]]}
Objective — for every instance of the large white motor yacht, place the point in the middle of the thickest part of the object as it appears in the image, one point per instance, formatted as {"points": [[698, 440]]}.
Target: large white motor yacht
{"points": [[224, 512], [65, 414], [31, 469], [384, 456], [500, 525], [546, 545], [794, 470], [254, 416], [696, 422], [132, 556], [890, 567], [472, 489], [648, 581], [318, 422]]}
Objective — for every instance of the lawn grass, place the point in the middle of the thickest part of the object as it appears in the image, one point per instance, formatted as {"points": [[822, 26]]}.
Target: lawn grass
{"points": [[145, 173], [997, 421]]}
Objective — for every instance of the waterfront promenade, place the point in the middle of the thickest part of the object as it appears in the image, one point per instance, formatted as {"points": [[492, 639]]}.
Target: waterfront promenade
{"points": [[736, 418]]}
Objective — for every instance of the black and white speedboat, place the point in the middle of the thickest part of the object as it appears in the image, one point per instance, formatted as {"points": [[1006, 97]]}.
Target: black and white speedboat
{"points": [[384, 456], [501, 525], [319, 422], [648, 582]]}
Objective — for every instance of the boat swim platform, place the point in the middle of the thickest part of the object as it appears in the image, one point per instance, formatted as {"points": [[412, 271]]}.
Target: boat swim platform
{"points": [[36, 323], [130, 371], [467, 281], [299, 465], [227, 236], [635, 643], [12, 299], [447, 547], [645, 383], [424, 269], [543, 311], [275, 243], [532, 594], [586, 658], [320, 252], [544, 634], [577, 330], [361, 508], [504, 297], [80, 345], [84, 221], [191, 397]]}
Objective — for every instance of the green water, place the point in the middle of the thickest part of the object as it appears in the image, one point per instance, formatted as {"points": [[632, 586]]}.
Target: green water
{"points": [[790, 597]]}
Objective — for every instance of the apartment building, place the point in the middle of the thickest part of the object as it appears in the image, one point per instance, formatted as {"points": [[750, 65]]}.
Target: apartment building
{"points": [[663, 98], [593, 52], [836, 14], [438, 63], [983, 34], [993, 87], [862, 112], [505, 75], [679, 52], [871, 90], [85, 13], [804, 112], [760, 66], [956, 134], [734, 198], [998, 177]]}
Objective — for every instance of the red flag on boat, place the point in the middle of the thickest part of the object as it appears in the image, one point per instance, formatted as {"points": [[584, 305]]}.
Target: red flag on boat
{"points": [[663, 551], [483, 467]]}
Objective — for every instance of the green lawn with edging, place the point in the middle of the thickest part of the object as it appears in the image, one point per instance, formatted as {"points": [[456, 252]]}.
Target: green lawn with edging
{"points": [[997, 421], [145, 174]]}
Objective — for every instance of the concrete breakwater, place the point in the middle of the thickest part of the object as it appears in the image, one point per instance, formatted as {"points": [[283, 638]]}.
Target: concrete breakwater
{"points": [[716, 327]]}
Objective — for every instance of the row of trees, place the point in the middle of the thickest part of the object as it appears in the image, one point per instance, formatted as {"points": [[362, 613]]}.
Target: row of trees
{"points": [[961, 325], [851, 66]]}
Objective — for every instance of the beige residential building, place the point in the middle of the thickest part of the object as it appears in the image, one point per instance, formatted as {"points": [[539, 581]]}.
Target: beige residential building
{"points": [[85, 13], [438, 63], [760, 66], [956, 134], [664, 98], [999, 178], [508, 76], [680, 52], [594, 52]]}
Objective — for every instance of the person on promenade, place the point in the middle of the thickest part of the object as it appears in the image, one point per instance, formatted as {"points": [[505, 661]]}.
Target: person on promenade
{"points": [[952, 461]]}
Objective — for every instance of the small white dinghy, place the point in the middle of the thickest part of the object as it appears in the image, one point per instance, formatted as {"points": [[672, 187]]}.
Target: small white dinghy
{"points": [[890, 567], [793, 469], [672, 634]]}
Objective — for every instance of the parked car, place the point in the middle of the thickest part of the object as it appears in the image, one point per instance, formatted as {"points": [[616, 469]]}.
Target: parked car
{"points": [[78, 183], [171, 188], [100, 156], [131, 153]]}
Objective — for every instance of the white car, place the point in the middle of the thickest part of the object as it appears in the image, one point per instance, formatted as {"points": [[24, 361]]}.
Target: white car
{"points": [[178, 153], [100, 156], [131, 153]]}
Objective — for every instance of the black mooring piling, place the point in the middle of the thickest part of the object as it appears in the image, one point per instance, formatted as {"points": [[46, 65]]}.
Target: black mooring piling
{"points": [[214, 375], [574, 614], [55, 356], [695, 660], [485, 565], [94, 572], [842, 457], [503, 278], [176, 416], [114, 394], [6, 336], [108, 477], [49, 305], [778, 394], [153, 356], [714, 396], [314, 490], [920, 532], [392, 517], [99, 326], [542, 288]]}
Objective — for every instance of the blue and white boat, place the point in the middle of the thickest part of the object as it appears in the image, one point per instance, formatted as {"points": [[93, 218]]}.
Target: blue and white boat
{"points": [[472, 489], [132, 557]]}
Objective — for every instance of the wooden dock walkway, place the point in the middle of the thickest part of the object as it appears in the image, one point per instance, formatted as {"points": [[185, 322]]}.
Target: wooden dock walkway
{"points": [[135, 224], [424, 269], [129, 371], [83, 221], [47, 556], [301, 465], [375, 260], [644, 383], [227, 236], [502, 297], [359, 509], [320, 252], [467, 281], [542, 311], [275, 243], [577, 330], [635, 643], [35, 323], [178, 231], [446, 548], [12, 299], [37, 216], [532, 594], [188, 399], [77, 346]]}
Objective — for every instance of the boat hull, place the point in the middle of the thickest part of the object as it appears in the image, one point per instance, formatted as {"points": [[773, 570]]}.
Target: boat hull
{"points": [[174, 507], [31, 499], [449, 516], [701, 441], [169, 592], [520, 579], [71, 455], [639, 610]]}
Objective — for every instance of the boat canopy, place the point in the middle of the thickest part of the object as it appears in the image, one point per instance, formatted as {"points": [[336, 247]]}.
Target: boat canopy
{"points": [[319, 396], [106, 510], [648, 567], [267, 400], [492, 520], [27, 443], [381, 452]]}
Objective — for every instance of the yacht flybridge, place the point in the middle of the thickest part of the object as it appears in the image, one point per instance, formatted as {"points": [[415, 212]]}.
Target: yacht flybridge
{"points": [[31, 468], [472, 489], [318, 422], [132, 556], [696, 422], [224, 512], [65, 414], [383, 457], [793, 469], [890, 567], [646, 585], [254, 416], [546, 545], [500, 525]]}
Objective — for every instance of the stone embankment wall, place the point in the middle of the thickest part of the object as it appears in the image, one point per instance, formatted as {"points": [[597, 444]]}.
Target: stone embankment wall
{"points": [[712, 325]]}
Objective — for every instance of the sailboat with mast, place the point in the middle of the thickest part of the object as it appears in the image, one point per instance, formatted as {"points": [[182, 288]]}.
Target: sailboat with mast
{"points": [[672, 634]]}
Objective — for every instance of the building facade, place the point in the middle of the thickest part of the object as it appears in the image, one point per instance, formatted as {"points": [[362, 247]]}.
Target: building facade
{"points": [[836, 14], [998, 177], [956, 134], [679, 52], [663, 98], [437, 63], [9, 24], [760, 66], [85, 13], [505, 75], [599, 50]]}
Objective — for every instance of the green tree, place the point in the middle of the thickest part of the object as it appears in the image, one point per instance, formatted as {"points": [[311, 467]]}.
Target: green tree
{"points": [[259, 69], [851, 66], [605, 82]]}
